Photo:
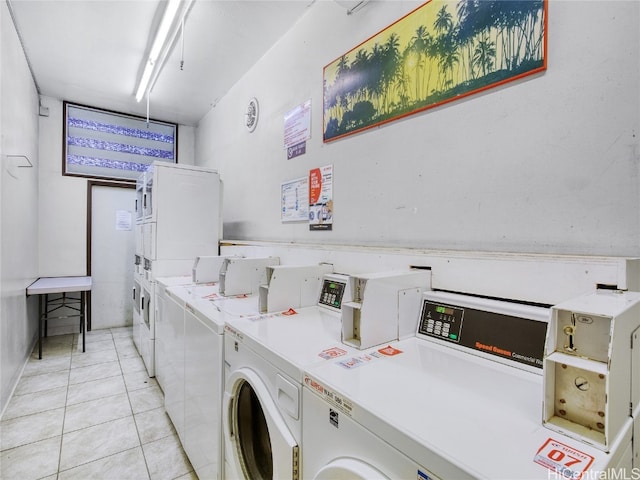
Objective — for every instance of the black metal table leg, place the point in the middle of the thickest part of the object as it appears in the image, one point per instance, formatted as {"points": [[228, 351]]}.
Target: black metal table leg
{"points": [[83, 315], [46, 314], [40, 299]]}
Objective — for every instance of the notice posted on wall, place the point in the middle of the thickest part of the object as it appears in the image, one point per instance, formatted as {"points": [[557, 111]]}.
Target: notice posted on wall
{"points": [[297, 129], [321, 198], [123, 220], [294, 196]]}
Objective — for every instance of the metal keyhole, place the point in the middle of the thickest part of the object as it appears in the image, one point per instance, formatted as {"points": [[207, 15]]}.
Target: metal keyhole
{"points": [[582, 384]]}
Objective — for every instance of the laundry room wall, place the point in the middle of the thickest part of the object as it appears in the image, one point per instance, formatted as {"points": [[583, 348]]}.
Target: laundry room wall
{"points": [[548, 164], [18, 208], [63, 199]]}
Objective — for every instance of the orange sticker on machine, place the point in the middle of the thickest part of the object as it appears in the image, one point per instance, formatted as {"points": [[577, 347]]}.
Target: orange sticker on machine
{"points": [[291, 311], [563, 459], [389, 351]]}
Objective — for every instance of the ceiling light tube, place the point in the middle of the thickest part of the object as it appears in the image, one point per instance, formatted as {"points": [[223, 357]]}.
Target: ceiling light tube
{"points": [[171, 21], [163, 31], [144, 81]]}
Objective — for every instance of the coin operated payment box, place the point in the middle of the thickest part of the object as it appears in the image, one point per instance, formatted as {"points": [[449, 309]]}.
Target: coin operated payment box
{"points": [[291, 286], [384, 308], [591, 369], [243, 276]]}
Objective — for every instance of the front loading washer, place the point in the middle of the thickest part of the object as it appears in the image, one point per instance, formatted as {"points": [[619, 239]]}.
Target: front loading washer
{"points": [[461, 399], [265, 357], [260, 415]]}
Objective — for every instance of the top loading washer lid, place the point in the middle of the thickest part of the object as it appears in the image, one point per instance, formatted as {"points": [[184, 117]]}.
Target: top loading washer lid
{"points": [[207, 291], [293, 341], [237, 307], [208, 313], [180, 293], [173, 281], [457, 414]]}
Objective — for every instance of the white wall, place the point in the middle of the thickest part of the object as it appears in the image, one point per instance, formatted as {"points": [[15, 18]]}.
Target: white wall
{"points": [[63, 199], [547, 165], [19, 208]]}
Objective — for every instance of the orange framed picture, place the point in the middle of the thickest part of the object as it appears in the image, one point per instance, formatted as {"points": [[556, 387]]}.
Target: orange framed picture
{"points": [[440, 52]]}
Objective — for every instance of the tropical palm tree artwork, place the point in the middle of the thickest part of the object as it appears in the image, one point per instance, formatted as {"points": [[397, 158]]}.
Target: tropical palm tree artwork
{"points": [[440, 52]]}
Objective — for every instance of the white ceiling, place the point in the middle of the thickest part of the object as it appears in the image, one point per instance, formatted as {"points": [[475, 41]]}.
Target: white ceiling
{"points": [[92, 51]]}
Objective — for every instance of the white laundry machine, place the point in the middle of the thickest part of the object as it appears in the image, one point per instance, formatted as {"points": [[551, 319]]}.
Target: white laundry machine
{"points": [[137, 309], [265, 356], [161, 319], [461, 399], [202, 281], [173, 355], [203, 373]]}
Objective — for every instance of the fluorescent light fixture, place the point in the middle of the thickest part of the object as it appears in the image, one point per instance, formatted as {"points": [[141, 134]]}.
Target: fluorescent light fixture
{"points": [[174, 14]]}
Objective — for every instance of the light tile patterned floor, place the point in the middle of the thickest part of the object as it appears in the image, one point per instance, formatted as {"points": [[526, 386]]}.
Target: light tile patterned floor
{"points": [[88, 415]]}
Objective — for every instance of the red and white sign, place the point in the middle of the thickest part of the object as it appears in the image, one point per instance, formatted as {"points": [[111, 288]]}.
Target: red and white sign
{"points": [[566, 461], [389, 351]]}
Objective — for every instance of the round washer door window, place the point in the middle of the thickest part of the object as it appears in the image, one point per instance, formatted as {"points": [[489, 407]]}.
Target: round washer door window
{"points": [[254, 444]]}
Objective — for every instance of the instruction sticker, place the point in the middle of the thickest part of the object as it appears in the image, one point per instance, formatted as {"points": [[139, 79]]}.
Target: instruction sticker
{"points": [[333, 352], [563, 459], [355, 362]]}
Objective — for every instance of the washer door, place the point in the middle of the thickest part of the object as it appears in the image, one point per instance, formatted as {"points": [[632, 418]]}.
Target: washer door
{"points": [[258, 443], [349, 469]]}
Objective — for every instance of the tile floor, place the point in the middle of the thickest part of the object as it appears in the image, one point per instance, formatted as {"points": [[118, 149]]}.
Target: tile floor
{"points": [[89, 415]]}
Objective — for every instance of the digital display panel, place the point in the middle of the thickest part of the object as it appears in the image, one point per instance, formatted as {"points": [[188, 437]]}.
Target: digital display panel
{"points": [[331, 293], [514, 338]]}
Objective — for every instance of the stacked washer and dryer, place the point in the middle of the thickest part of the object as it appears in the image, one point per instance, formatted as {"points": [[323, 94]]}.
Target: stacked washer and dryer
{"points": [[178, 218]]}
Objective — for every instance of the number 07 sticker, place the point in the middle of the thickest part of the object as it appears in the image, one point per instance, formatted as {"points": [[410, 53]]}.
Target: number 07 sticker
{"points": [[563, 459]]}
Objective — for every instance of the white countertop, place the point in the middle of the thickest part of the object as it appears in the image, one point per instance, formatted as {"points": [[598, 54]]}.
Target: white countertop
{"points": [[59, 285]]}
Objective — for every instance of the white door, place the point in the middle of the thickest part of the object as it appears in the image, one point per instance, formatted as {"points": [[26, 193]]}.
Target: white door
{"points": [[112, 255]]}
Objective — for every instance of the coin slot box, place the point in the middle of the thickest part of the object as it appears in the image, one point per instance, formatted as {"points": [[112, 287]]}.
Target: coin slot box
{"points": [[380, 311], [291, 286], [587, 367]]}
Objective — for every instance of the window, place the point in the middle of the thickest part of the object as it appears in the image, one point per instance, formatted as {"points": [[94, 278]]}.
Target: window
{"points": [[103, 144]]}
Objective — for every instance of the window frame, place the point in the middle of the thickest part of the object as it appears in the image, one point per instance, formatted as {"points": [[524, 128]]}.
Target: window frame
{"points": [[99, 174]]}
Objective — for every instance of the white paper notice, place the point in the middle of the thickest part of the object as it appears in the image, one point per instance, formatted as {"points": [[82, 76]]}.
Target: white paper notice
{"points": [[295, 200], [297, 125], [123, 220]]}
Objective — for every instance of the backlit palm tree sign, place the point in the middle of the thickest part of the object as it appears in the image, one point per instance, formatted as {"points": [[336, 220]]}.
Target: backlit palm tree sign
{"points": [[442, 51]]}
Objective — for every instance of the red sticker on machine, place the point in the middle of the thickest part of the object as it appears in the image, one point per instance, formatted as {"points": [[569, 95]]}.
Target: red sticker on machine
{"points": [[389, 351], [563, 459], [291, 311]]}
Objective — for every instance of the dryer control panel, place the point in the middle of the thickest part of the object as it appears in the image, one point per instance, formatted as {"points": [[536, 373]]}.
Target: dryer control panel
{"points": [[442, 321], [332, 293], [508, 332]]}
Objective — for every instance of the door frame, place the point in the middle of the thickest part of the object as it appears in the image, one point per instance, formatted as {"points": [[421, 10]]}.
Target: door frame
{"points": [[90, 185]]}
